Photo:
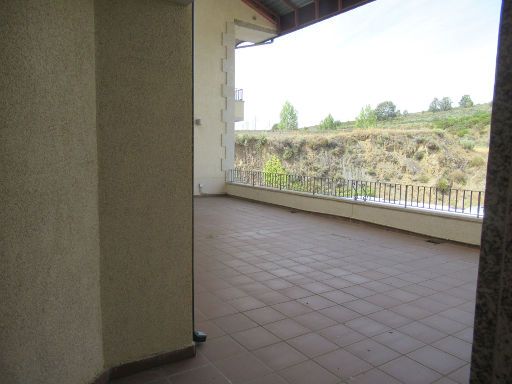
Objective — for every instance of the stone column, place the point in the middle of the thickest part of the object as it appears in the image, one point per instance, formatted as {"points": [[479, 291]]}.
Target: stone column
{"points": [[492, 346]]}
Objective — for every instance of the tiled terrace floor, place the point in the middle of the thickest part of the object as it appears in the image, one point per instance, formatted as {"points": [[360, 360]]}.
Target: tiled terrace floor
{"points": [[299, 298]]}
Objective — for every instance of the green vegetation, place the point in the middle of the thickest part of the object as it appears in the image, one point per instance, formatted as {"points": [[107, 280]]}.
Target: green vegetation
{"points": [[288, 118], [367, 118], [386, 110], [466, 102], [443, 148], [329, 123]]}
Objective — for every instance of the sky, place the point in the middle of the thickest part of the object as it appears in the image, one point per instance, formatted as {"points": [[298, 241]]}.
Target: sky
{"points": [[405, 51]]}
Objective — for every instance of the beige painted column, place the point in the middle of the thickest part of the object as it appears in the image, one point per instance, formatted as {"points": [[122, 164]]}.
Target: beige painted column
{"points": [[50, 325], [144, 117]]}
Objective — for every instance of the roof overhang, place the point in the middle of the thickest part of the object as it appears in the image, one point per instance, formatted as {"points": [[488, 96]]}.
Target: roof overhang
{"points": [[291, 15]]}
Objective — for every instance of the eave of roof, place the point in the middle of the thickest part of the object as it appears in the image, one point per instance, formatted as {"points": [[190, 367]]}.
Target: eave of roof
{"points": [[291, 15]]}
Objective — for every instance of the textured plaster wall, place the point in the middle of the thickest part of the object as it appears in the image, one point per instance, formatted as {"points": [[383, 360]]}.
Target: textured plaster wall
{"points": [[214, 66], [50, 320], [144, 117], [492, 347]]}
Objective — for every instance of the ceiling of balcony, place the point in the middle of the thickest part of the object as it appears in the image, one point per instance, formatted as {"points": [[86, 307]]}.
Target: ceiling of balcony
{"points": [[291, 15]]}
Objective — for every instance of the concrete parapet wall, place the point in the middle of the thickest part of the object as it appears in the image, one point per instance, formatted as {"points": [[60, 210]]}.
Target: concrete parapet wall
{"points": [[463, 229]]}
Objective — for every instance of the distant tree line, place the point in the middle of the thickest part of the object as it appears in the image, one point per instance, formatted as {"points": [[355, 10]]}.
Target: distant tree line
{"points": [[367, 117]]}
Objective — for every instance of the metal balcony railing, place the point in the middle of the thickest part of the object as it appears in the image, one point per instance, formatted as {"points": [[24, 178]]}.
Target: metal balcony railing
{"points": [[460, 201], [239, 95]]}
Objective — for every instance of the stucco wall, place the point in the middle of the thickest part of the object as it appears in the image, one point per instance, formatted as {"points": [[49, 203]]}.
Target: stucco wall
{"points": [[450, 227], [50, 326], [214, 67], [144, 117]]}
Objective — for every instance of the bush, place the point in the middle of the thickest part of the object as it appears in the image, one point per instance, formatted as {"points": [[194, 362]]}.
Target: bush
{"points": [[445, 104], [433, 146], [467, 144], [261, 140], [434, 105], [366, 118], [288, 154], [443, 185], [466, 102], [329, 123], [419, 155], [385, 110], [477, 162], [458, 177]]}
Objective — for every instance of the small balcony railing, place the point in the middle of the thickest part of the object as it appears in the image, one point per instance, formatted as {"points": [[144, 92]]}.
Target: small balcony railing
{"points": [[459, 201], [239, 94]]}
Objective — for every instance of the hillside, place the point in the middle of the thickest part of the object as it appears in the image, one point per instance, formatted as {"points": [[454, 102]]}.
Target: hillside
{"points": [[442, 148]]}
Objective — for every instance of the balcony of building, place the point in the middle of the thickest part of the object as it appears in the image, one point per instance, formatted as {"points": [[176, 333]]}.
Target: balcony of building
{"points": [[293, 297], [239, 105]]}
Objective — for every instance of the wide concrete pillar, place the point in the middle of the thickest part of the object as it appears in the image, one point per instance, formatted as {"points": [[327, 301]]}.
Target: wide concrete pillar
{"points": [[492, 346], [50, 325], [144, 120]]}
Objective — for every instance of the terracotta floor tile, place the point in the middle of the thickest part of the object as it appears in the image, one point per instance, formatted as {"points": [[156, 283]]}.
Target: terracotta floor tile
{"points": [[295, 292], [363, 307], [264, 315], [339, 297], [410, 372], [220, 348], [204, 375], [308, 372], [436, 359], [312, 344], [339, 313], [235, 323], [316, 302], [398, 341], [314, 321], [292, 308], [242, 367], [461, 375], [422, 332], [255, 338], [343, 364], [372, 352], [443, 324], [366, 326], [390, 318], [273, 378], [455, 346], [286, 329], [279, 356], [341, 335], [246, 303], [374, 376]]}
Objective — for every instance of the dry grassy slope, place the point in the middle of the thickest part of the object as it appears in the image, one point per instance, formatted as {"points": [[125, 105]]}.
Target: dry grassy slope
{"points": [[423, 148]]}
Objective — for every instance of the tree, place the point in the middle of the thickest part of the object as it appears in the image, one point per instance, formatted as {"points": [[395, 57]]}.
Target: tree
{"points": [[445, 104], [466, 102], [434, 105], [366, 118], [386, 110], [288, 116], [328, 123]]}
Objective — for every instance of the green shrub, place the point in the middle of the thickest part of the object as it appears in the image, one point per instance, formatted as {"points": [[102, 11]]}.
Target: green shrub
{"points": [[288, 154], [477, 162], [261, 141], [467, 144], [419, 155], [433, 146], [458, 177], [443, 185]]}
